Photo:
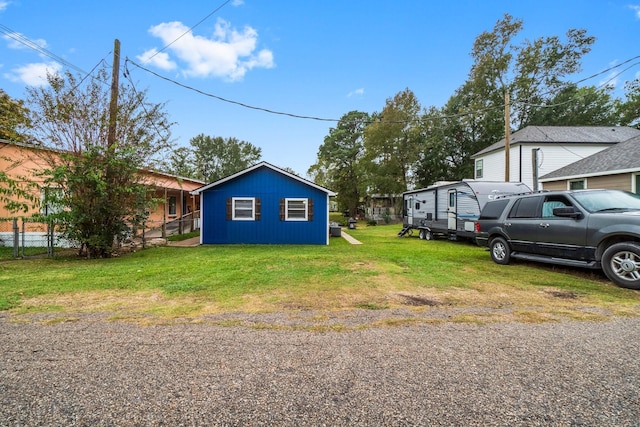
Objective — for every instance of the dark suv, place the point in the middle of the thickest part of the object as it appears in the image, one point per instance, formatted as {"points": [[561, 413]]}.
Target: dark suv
{"points": [[582, 228]]}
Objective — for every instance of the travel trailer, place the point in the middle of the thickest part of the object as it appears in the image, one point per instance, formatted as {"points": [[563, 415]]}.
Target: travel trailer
{"points": [[450, 209]]}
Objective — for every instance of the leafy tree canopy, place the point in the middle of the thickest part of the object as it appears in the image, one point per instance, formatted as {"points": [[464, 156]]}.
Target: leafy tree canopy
{"points": [[14, 118], [96, 187], [339, 163], [217, 157], [392, 144]]}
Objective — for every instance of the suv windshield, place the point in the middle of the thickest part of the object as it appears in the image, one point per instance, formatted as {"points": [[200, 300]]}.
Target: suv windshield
{"points": [[595, 201]]}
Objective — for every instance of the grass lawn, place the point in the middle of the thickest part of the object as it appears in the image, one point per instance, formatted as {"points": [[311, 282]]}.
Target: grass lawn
{"points": [[386, 272]]}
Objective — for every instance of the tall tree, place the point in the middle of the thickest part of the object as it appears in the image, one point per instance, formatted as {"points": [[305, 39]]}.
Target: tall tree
{"points": [[392, 144], [14, 118], [96, 187], [576, 106], [217, 157], [629, 110], [531, 73], [339, 161], [182, 163]]}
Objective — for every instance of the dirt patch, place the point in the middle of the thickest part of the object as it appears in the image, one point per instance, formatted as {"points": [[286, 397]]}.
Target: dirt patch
{"points": [[417, 300], [563, 294]]}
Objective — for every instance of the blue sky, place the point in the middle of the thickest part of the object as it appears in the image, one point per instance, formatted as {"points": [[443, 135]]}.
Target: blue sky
{"points": [[310, 58]]}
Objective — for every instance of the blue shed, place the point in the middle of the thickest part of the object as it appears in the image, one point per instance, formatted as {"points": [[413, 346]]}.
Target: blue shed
{"points": [[264, 204]]}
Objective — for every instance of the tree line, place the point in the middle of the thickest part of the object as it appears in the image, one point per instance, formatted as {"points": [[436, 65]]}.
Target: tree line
{"points": [[406, 145], [101, 193]]}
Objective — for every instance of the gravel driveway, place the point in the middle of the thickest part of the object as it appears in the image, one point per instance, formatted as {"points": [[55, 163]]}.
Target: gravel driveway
{"points": [[96, 372]]}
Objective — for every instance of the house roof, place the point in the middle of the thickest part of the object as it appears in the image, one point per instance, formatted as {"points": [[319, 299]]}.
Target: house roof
{"points": [[258, 166], [565, 135], [153, 177], [167, 180], [621, 158]]}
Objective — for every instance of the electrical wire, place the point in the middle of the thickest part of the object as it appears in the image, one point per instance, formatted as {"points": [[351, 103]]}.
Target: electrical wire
{"points": [[141, 103], [188, 30], [423, 119], [35, 46], [600, 86], [266, 110]]}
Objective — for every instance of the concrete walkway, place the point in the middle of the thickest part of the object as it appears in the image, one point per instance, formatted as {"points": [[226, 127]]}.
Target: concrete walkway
{"points": [[350, 239], [188, 243]]}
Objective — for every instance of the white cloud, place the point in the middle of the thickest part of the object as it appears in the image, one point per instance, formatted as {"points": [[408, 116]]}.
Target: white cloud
{"points": [[359, 91], [237, 2], [34, 74], [228, 53], [13, 42], [611, 80], [158, 59], [636, 9], [3, 5]]}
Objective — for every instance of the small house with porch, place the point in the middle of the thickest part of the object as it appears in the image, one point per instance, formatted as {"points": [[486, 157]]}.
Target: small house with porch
{"points": [[264, 204]]}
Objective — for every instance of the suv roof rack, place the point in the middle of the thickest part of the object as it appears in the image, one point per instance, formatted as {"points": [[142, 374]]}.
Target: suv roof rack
{"points": [[501, 196]]}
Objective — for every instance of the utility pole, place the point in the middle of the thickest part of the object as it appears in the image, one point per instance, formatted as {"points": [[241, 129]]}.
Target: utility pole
{"points": [[534, 167], [113, 106], [507, 137]]}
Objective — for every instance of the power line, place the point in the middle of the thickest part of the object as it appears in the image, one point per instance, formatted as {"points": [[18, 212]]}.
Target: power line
{"points": [[189, 30], [452, 116], [210, 95], [35, 46], [602, 85]]}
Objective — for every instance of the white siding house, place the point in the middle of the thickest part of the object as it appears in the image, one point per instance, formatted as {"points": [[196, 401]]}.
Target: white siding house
{"points": [[554, 146]]}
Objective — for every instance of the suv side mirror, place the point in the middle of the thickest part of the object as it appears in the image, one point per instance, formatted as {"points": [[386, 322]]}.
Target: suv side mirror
{"points": [[567, 212]]}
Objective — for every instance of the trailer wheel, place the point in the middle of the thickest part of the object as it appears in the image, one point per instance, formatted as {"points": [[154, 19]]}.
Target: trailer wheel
{"points": [[425, 235]]}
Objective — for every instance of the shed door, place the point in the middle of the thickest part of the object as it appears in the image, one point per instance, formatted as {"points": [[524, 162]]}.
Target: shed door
{"points": [[452, 210]]}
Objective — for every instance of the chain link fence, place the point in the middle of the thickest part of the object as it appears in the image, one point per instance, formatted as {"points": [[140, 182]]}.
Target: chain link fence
{"points": [[24, 238]]}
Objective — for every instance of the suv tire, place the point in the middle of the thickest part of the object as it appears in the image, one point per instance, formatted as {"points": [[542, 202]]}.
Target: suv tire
{"points": [[500, 251], [621, 264]]}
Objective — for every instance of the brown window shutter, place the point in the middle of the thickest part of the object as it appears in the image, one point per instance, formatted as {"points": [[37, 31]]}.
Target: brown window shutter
{"points": [[258, 209], [229, 208], [310, 209], [282, 207]]}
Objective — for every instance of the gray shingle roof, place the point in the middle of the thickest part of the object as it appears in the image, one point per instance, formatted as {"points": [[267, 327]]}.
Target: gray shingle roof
{"points": [[566, 135], [622, 156]]}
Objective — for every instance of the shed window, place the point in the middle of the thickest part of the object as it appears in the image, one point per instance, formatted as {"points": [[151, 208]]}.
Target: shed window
{"points": [[243, 209], [296, 209]]}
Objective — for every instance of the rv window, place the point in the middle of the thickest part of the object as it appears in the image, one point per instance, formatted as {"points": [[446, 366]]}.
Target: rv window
{"points": [[417, 205]]}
